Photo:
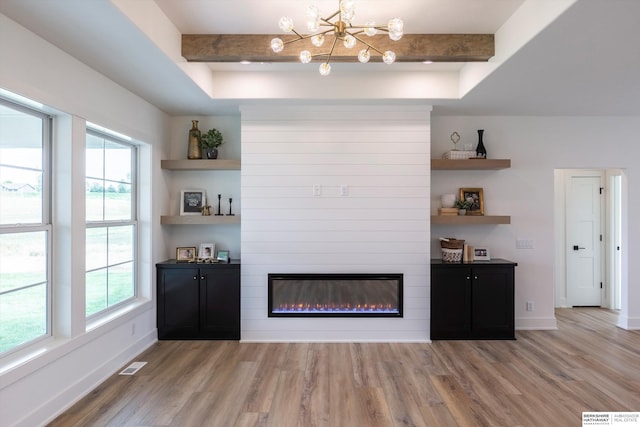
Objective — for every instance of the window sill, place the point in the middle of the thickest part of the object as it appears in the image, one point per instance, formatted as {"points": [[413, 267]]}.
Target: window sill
{"points": [[20, 364]]}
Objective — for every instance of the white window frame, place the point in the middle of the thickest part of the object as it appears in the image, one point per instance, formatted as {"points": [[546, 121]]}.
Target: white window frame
{"points": [[45, 221], [114, 137]]}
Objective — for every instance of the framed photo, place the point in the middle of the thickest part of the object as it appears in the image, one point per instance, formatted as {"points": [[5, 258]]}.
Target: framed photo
{"points": [[223, 256], [481, 254], [475, 197], [206, 250], [192, 201], [186, 254]]}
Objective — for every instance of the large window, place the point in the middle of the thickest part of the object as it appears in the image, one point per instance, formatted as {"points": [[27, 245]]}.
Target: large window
{"points": [[111, 221], [25, 226]]}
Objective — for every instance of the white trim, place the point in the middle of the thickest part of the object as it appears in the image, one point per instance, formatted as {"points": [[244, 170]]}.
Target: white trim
{"points": [[536, 324]]}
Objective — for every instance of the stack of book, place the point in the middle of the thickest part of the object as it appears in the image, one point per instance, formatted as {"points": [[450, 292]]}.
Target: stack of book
{"points": [[447, 211]]}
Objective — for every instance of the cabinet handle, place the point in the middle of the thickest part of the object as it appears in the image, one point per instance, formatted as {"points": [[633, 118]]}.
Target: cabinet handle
{"points": [[468, 277], [475, 277], [203, 277], [195, 277]]}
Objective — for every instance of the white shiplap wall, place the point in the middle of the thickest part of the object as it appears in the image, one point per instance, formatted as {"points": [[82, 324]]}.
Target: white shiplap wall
{"points": [[381, 153]]}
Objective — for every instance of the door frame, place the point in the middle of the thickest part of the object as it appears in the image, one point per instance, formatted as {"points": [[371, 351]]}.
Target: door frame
{"points": [[560, 283]]}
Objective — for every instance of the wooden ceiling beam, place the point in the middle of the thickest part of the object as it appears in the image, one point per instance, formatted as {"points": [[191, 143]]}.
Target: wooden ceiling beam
{"points": [[411, 48]]}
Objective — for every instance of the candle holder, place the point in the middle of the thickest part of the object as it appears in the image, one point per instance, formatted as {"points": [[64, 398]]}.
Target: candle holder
{"points": [[230, 214], [219, 213]]}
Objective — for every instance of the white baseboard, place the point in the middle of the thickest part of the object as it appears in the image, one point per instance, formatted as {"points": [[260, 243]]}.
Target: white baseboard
{"points": [[629, 323], [536, 323]]}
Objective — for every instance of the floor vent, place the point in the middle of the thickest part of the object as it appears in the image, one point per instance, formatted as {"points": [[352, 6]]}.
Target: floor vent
{"points": [[133, 368]]}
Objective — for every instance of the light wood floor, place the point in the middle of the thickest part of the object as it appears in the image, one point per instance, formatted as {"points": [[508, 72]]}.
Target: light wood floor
{"points": [[544, 378]]}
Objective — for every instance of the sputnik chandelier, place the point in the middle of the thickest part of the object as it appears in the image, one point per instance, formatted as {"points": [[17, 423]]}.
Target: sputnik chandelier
{"points": [[341, 25]]}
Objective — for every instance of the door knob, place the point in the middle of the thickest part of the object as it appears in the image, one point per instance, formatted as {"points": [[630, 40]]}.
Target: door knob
{"points": [[576, 247]]}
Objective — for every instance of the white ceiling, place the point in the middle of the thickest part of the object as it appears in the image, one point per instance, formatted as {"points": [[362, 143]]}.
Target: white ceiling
{"points": [[585, 62]]}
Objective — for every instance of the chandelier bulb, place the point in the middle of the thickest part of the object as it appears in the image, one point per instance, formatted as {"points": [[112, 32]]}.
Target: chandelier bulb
{"points": [[286, 24], [389, 57], [317, 40], [349, 41], [325, 69], [395, 24], [364, 55], [370, 28], [305, 56], [277, 45], [395, 35]]}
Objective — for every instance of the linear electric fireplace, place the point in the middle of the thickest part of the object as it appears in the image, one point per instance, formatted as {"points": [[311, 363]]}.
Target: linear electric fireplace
{"points": [[335, 295]]}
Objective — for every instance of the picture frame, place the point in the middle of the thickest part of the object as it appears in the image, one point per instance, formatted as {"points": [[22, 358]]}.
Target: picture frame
{"points": [[206, 251], [481, 254], [476, 197], [192, 201], [223, 256], [186, 254]]}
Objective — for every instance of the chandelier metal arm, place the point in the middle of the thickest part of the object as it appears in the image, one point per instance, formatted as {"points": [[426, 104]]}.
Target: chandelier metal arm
{"points": [[304, 36], [333, 46], [370, 46]]}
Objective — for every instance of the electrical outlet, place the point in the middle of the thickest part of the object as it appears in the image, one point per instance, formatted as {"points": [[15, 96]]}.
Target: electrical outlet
{"points": [[524, 244], [344, 190], [317, 190], [529, 305]]}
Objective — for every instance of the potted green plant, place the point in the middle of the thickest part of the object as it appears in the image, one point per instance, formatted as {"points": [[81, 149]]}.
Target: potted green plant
{"points": [[210, 142], [462, 206]]}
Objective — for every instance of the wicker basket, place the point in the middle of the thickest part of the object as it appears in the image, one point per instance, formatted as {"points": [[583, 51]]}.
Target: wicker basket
{"points": [[458, 155], [452, 249]]}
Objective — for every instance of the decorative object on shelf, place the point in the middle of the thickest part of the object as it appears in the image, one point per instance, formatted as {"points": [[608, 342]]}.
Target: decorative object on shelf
{"points": [[210, 141], [230, 214], [206, 210], [455, 138], [451, 249], [192, 201], [207, 250], [219, 213], [481, 254], [223, 256], [467, 253], [194, 151], [342, 29], [447, 200], [475, 197], [463, 206], [447, 211], [481, 151], [186, 254]]}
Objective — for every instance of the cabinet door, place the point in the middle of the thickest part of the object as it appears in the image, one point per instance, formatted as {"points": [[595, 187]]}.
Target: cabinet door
{"points": [[220, 303], [450, 303], [492, 303], [177, 302]]}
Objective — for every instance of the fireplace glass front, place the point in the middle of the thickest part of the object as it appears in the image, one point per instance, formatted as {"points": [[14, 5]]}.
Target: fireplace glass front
{"points": [[335, 295]]}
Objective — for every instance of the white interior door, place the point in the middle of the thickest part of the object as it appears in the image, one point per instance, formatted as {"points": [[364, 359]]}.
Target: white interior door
{"points": [[584, 238]]}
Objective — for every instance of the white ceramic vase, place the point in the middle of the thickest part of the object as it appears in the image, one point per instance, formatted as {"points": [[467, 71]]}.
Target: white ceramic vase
{"points": [[448, 200]]}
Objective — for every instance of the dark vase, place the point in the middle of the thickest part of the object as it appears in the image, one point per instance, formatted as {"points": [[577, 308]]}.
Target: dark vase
{"points": [[212, 153], [481, 152], [194, 150]]}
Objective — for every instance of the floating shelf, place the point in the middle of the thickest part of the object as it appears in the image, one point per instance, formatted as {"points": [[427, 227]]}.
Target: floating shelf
{"points": [[470, 164], [199, 219], [201, 164], [469, 219]]}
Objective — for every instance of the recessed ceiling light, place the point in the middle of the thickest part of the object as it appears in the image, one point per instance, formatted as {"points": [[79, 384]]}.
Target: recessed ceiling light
{"points": [[427, 62], [245, 62]]}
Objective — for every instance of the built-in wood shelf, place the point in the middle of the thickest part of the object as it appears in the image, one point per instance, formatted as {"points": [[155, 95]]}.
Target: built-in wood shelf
{"points": [[201, 164], [470, 164], [470, 219], [199, 219]]}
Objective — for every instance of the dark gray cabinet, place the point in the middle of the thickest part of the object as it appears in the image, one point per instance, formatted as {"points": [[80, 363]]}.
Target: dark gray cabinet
{"points": [[198, 301], [472, 300]]}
